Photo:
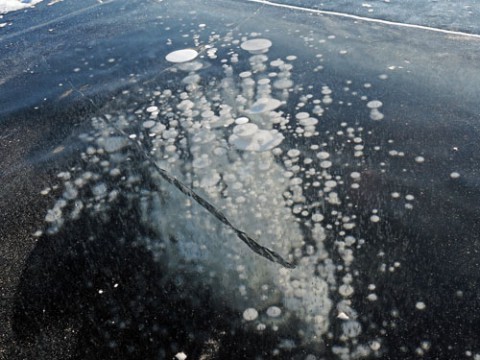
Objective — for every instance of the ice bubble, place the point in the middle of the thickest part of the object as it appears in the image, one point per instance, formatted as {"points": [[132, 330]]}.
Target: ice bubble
{"points": [[355, 175], [274, 311], [374, 218], [325, 164], [293, 153], [249, 137], [256, 46], [419, 159], [181, 56], [376, 115], [241, 120], [375, 345], [148, 124], [250, 314], [283, 84], [191, 79], [201, 162], [374, 104], [351, 328], [330, 183], [263, 105], [317, 217], [99, 190], [245, 74], [302, 115], [310, 121], [181, 356], [115, 143], [342, 316], [420, 305], [345, 290], [152, 109], [323, 155], [246, 130]]}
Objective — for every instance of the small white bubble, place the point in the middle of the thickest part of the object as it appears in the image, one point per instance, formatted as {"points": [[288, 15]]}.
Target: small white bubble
{"points": [[375, 345], [341, 315], [345, 290], [181, 356], [250, 314], [274, 311], [375, 218], [420, 305], [355, 175]]}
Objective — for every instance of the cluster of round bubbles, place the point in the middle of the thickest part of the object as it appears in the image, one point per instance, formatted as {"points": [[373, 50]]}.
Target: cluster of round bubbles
{"points": [[226, 140]]}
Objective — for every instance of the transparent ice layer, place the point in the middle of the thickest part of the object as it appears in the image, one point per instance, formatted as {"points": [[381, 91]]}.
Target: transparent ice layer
{"points": [[312, 177]]}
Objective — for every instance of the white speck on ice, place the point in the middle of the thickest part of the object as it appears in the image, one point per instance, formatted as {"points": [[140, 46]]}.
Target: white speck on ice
{"points": [[181, 356]]}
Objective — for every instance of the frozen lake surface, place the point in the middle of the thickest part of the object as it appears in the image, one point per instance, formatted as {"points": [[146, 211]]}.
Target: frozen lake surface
{"points": [[257, 182]]}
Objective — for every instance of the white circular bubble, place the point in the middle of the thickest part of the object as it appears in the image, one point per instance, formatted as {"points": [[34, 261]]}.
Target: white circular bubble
{"points": [[346, 290], [293, 153], [152, 109], [376, 115], [374, 104], [419, 159], [351, 328], [245, 74], [302, 115], [375, 218], [250, 314], [181, 356], [250, 138], [375, 345], [181, 56], [245, 130], [420, 305], [323, 155], [330, 183], [274, 311], [283, 83], [264, 105], [325, 164], [148, 124], [241, 120], [256, 46], [355, 175]]}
